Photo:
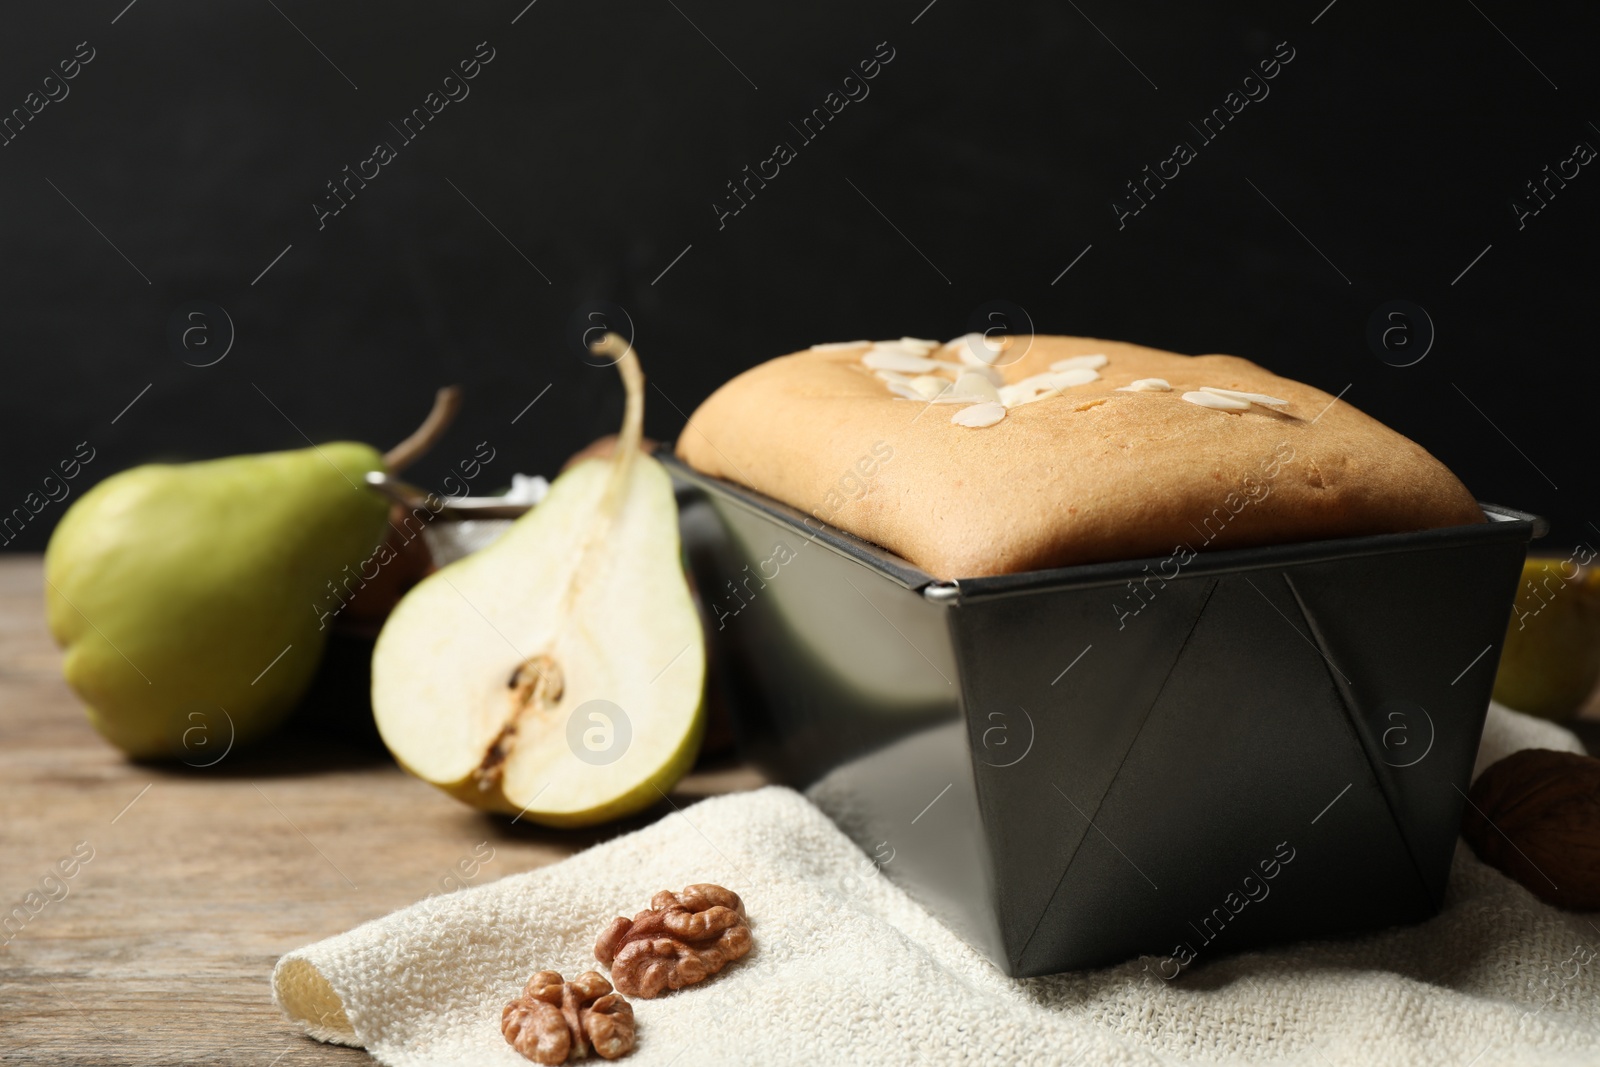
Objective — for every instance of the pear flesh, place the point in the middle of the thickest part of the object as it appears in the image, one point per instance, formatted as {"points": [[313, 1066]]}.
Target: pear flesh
{"points": [[186, 596], [558, 673]]}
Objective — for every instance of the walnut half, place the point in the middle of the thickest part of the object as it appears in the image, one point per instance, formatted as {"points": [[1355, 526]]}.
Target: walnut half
{"points": [[554, 1019], [682, 939]]}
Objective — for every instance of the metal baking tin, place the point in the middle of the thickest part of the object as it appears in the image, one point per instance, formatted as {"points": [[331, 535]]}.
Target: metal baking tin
{"points": [[1275, 746]]}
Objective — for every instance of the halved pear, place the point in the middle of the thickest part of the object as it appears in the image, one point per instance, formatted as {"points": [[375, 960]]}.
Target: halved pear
{"points": [[560, 672]]}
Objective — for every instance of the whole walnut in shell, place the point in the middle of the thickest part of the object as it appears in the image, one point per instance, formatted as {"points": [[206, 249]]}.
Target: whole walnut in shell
{"points": [[682, 939], [554, 1019], [1535, 815]]}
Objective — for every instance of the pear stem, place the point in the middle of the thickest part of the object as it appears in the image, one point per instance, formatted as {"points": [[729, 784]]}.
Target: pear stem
{"points": [[446, 403], [627, 364]]}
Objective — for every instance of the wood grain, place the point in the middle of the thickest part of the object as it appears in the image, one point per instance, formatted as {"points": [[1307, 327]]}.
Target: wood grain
{"points": [[161, 950]]}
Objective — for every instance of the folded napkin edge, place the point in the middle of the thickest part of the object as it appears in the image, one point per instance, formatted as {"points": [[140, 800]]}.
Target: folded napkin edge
{"points": [[305, 996]]}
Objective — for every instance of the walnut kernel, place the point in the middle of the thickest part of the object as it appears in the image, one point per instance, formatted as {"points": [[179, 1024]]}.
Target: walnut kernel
{"points": [[682, 939], [554, 1019]]}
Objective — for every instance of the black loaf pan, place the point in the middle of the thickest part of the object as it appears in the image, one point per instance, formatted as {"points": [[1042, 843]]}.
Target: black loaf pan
{"points": [[1274, 747]]}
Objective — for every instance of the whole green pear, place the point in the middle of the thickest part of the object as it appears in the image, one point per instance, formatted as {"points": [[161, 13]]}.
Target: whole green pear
{"points": [[1551, 659], [196, 596]]}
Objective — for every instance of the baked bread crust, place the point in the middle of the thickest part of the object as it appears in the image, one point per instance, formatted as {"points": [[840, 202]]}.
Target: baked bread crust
{"points": [[1087, 476]]}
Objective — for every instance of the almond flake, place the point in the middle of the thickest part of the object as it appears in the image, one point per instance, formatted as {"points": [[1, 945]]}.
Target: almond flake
{"points": [[1071, 376], [1220, 403], [901, 390], [1063, 379], [892, 359], [1093, 362], [975, 349], [1253, 398], [1014, 396], [1146, 385], [892, 376], [918, 344], [973, 384], [986, 414], [929, 385]]}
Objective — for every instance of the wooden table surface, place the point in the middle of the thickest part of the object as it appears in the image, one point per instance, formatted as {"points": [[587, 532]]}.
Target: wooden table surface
{"points": [[162, 949]]}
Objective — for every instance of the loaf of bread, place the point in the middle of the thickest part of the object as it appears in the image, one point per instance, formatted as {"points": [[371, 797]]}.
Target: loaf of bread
{"points": [[1047, 468]]}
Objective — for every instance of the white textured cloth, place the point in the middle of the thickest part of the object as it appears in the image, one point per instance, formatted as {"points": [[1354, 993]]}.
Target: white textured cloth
{"points": [[848, 970]]}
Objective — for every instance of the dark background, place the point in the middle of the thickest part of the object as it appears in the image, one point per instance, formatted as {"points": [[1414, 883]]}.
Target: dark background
{"points": [[984, 161]]}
